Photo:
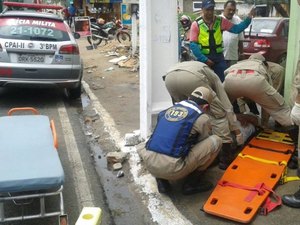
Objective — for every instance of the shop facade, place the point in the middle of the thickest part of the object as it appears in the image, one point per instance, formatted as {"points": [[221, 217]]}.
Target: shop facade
{"points": [[106, 9]]}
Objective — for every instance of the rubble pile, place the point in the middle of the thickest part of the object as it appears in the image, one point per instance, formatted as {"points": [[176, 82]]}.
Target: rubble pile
{"points": [[124, 59]]}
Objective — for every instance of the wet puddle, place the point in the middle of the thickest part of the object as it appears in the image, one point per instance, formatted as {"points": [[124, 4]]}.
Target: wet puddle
{"points": [[116, 187]]}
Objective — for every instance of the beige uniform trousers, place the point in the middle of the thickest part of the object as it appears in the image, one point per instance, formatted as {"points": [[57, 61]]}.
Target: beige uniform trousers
{"points": [[277, 74], [256, 86], [183, 78], [170, 168]]}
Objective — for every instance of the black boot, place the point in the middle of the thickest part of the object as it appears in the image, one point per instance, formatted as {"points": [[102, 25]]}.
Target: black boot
{"points": [[292, 200], [163, 186], [193, 184], [293, 132], [253, 107], [293, 163], [226, 156]]}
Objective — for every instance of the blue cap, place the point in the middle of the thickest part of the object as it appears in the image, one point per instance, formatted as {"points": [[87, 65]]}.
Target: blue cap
{"points": [[207, 4]]}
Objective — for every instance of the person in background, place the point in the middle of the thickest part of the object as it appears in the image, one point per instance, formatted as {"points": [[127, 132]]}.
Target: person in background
{"points": [[233, 45], [66, 14], [186, 23], [181, 145], [182, 78], [206, 36], [72, 11], [184, 44]]}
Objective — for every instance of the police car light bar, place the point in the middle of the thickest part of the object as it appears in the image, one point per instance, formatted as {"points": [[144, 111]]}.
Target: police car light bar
{"points": [[31, 6]]}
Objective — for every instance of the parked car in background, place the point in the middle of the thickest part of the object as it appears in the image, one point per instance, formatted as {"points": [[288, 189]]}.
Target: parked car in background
{"points": [[268, 36], [38, 50]]}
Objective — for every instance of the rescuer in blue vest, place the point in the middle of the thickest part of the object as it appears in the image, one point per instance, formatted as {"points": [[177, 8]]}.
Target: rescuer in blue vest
{"points": [[182, 145], [181, 80]]}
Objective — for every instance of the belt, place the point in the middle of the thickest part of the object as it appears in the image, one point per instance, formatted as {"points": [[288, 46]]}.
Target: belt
{"points": [[242, 71]]}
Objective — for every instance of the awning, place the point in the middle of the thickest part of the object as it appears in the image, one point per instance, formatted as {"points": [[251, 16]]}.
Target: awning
{"points": [[259, 2]]}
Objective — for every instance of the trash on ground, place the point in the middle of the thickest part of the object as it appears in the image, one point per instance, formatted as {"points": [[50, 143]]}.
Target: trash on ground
{"points": [[130, 63], [88, 133], [112, 54], [117, 60], [109, 69], [120, 174]]}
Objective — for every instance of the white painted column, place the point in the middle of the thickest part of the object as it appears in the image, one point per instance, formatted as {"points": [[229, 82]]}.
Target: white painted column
{"points": [[158, 51]]}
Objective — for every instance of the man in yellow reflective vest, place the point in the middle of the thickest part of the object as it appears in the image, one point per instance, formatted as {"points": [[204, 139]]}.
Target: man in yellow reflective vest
{"points": [[206, 41]]}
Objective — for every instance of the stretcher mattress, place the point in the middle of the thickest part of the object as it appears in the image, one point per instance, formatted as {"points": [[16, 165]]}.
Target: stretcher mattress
{"points": [[28, 158]]}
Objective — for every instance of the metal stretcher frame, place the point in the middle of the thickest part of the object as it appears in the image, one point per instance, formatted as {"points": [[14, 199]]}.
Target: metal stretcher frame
{"points": [[30, 166]]}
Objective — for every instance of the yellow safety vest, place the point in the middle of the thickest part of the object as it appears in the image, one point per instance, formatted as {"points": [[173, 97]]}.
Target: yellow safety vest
{"points": [[203, 37]]}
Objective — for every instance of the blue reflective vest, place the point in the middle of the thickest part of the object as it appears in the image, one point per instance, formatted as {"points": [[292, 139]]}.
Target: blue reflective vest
{"points": [[171, 135]]}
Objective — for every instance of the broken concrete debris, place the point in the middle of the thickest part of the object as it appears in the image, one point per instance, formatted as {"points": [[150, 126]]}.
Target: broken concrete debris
{"points": [[116, 157], [117, 166]]}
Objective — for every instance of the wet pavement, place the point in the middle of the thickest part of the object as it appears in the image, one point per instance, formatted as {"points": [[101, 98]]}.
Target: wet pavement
{"points": [[125, 207]]}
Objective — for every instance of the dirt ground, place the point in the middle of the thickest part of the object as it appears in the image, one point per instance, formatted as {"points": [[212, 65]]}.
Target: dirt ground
{"points": [[115, 86]]}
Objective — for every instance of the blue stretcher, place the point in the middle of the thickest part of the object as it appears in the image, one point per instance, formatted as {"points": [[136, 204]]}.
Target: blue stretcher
{"points": [[30, 167]]}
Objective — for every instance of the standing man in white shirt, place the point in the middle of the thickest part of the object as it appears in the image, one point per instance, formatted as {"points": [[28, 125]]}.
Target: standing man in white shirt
{"points": [[233, 45]]}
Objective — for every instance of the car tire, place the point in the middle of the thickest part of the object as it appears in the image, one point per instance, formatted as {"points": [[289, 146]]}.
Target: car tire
{"points": [[74, 93]]}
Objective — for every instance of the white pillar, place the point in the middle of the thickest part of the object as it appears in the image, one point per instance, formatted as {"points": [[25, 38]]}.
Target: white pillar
{"points": [[158, 51]]}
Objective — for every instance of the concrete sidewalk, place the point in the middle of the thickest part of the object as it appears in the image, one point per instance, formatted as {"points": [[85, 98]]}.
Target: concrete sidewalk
{"points": [[175, 208]]}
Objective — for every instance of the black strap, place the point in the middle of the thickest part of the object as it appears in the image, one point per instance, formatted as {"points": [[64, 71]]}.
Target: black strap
{"points": [[286, 152]]}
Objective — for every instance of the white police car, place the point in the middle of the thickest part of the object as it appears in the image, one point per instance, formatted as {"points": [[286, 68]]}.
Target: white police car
{"points": [[38, 50]]}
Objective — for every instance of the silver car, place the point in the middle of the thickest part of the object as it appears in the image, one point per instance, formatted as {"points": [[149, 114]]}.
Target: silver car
{"points": [[38, 50]]}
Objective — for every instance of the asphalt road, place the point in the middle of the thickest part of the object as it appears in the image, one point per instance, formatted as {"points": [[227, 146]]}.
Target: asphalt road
{"points": [[82, 185]]}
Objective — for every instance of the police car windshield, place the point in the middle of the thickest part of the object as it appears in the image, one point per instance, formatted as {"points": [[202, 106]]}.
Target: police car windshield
{"points": [[32, 29]]}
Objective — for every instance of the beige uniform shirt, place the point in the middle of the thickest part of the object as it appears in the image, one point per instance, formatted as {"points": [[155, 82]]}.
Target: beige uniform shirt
{"points": [[183, 78], [251, 79]]}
